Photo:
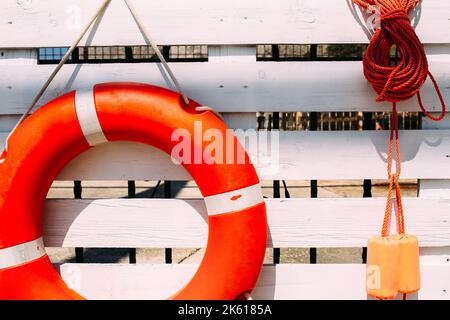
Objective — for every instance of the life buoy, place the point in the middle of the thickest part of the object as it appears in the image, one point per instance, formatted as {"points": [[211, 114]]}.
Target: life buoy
{"points": [[71, 124]]}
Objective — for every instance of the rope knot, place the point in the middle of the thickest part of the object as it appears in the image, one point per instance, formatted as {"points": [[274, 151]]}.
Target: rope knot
{"points": [[396, 14], [401, 79], [394, 177]]}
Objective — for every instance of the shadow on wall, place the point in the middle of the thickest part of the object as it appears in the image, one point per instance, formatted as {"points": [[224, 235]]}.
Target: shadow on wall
{"points": [[115, 255], [90, 37], [266, 282], [410, 145], [363, 17]]}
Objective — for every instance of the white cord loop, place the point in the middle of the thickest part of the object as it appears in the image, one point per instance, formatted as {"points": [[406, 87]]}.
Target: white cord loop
{"points": [[166, 66], [59, 66], [248, 297], [214, 111], [147, 37]]}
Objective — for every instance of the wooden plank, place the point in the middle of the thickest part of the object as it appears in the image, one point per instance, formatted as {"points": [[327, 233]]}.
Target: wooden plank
{"points": [[234, 120], [7, 123], [229, 84], [284, 281], [56, 23], [240, 120], [434, 188], [428, 124], [141, 223], [16, 57], [301, 156], [233, 54], [435, 255]]}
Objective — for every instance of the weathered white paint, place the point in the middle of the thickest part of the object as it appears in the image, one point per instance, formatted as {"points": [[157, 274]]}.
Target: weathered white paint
{"points": [[285, 281], [434, 188], [233, 81], [241, 54], [123, 223], [435, 255], [56, 23], [229, 83], [302, 155], [18, 57], [239, 120], [7, 123], [428, 124], [438, 187]]}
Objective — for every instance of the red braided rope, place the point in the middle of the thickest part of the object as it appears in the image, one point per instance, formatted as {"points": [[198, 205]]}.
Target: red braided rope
{"points": [[405, 79], [398, 82], [394, 180]]}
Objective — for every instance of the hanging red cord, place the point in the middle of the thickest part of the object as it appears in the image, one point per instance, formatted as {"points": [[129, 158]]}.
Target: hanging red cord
{"points": [[405, 79], [394, 83], [394, 180]]}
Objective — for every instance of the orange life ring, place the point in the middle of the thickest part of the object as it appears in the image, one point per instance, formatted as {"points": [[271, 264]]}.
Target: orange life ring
{"points": [[71, 124]]}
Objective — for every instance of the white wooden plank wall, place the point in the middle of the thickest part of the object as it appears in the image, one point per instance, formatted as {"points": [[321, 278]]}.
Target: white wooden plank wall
{"points": [[326, 223], [435, 188], [259, 86], [302, 156], [55, 23], [283, 281], [235, 83]]}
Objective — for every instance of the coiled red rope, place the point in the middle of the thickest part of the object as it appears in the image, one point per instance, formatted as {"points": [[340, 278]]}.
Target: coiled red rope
{"points": [[398, 81], [395, 83]]}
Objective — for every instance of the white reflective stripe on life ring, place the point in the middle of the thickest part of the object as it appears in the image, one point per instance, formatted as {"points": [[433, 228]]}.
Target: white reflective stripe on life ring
{"points": [[22, 253], [234, 200], [87, 117]]}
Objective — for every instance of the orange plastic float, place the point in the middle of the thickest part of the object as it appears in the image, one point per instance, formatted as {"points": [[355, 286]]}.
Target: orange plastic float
{"points": [[382, 267], [409, 264], [392, 266], [64, 128], [393, 260]]}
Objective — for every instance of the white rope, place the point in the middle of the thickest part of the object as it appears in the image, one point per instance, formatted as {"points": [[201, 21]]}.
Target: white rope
{"points": [[205, 108], [248, 296], [58, 67], [166, 66], [150, 40]]}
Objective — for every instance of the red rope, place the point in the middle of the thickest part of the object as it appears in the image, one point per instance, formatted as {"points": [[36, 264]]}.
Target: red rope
{"points": [[396, 82], [405, 79], [394, 180]]}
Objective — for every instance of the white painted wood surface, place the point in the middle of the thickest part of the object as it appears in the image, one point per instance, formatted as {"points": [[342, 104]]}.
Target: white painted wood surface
{"points": [[435, 255], [175, 223], [428, 124], [234, 120], [232, 81], [240, 120], [18, 57], [57, 23], [7, 123], [229, 84], [302, 155], [434, 188], [438, 187], [288, 281]]}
